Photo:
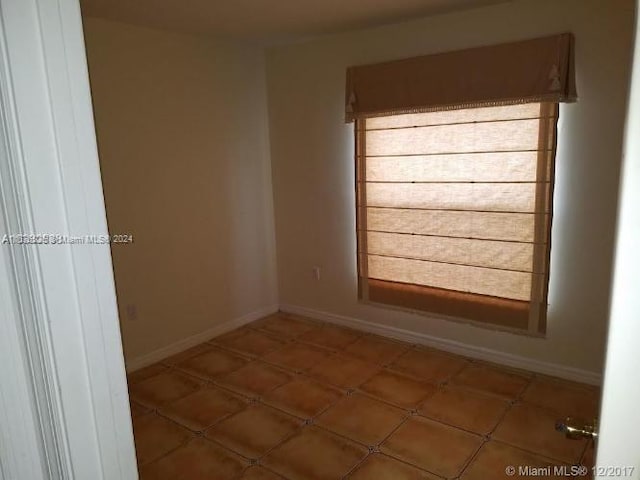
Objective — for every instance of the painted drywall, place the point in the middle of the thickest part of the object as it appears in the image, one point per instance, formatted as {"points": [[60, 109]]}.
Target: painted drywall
{"points": [[313, 168], [183, 142], [620, 421]]}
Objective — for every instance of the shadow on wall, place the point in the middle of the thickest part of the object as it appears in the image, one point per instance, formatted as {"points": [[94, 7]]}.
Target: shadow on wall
{"points": [[182, 134]]}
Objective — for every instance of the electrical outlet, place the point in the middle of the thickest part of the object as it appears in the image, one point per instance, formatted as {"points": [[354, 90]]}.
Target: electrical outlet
{"points": [[132, 312], [316, 273]]}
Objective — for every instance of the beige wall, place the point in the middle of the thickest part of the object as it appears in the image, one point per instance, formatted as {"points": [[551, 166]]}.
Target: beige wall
{"points": [[184, 153], [313, 172]]}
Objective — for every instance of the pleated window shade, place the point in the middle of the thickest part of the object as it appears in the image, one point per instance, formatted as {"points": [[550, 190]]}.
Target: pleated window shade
{"points": [[454, 212]]}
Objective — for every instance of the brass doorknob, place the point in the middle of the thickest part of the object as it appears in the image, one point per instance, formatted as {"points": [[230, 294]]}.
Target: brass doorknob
{"points": [[577, 428]]}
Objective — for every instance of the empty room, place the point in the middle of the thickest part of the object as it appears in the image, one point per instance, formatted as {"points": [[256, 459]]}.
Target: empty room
{"points": [[366, 240], [404, 279]]}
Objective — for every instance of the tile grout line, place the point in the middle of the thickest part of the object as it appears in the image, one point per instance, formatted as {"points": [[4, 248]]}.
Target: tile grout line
{"points": [[257, 461], [377, 447], [488, 436], [518, 400], [211, 381], [247, 404], [418, 414], [173, 449], [390, 403], [332, 352], [530, 452], [299, 429]]}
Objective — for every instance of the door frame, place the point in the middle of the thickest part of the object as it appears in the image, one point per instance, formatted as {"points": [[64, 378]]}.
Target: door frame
{"points": [[67, 409], [64, 403], [620, 420]]}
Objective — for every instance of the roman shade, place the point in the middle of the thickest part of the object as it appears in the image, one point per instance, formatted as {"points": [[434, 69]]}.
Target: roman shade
{"points": [[454, 212], [454, 180], [535, 70]]}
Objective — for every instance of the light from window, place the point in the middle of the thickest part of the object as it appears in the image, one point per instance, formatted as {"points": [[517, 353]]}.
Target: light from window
{"points": [[454, 212]]}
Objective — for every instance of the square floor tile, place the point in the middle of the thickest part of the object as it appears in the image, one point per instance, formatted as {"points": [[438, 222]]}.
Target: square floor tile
{"points": [[284, 326], [465, 409], [191, 352], [315, 454], [259, 473], [146, 372], [254, 431], [330, 336], [494, 458], [203, 408], [165, 387], [212, 364], [255, 379], [567, 399], [382, 467], [533, 429], [358, 389], [343, 371], [362, 419], [251, 342], [398, 389], [303, 397], [138, 410], [156, 436], [432, 446], [371, 348], [429, 365], [495, 381], [297, 356], [199, 459]]}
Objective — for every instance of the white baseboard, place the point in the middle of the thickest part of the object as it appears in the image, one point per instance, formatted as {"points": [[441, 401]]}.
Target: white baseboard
{"points": [[186, 343], [480, 353]]}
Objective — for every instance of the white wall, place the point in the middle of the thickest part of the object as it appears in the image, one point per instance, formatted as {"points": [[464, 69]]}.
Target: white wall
{"points": [[313, 168], [184, 153], [620, 420]]}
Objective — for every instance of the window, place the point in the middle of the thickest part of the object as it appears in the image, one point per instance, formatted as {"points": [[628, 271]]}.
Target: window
{"points": [[454, 211], [455, 160]]}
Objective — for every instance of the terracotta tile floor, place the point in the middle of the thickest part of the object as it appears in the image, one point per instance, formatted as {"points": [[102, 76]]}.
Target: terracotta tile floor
{"points": [[288, 398]]}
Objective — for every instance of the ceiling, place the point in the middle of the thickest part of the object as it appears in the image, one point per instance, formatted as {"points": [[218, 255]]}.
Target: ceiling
{"points": [[269, 21]]}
